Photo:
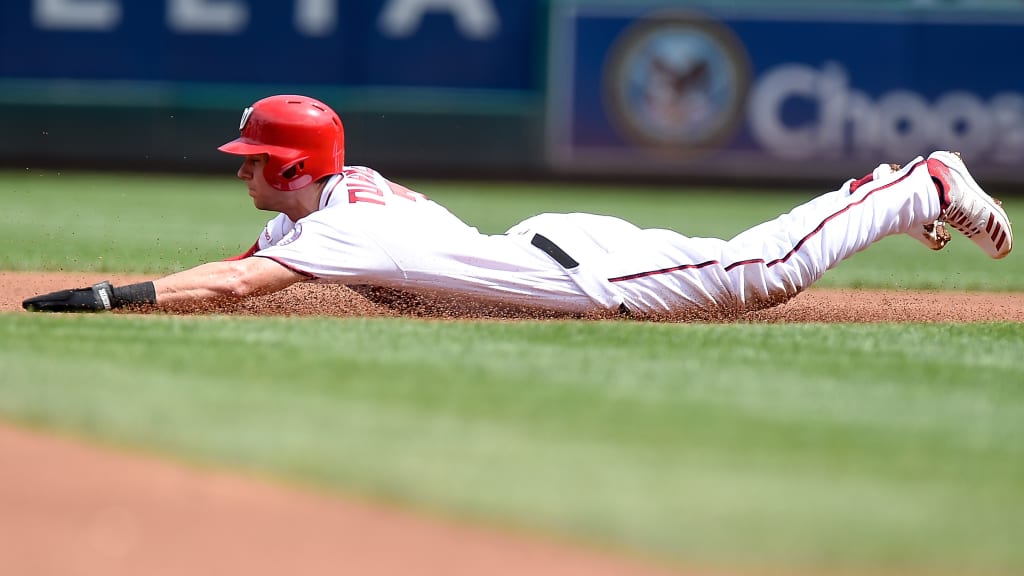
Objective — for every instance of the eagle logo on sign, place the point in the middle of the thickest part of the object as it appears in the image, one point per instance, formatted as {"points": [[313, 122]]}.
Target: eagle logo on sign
{"points": [[245, 117], [677, 83]]}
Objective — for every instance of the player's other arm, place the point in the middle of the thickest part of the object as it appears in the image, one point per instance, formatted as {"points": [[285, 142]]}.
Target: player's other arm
{"points": [[228, 280]]}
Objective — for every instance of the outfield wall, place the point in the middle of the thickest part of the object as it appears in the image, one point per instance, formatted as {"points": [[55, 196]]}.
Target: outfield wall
{"points": [[531, 88]]}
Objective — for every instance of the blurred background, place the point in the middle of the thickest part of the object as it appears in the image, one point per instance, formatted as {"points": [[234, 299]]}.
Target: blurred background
{"points": [[764, 92]]}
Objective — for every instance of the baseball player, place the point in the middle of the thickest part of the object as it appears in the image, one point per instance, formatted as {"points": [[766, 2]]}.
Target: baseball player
{"points": [[351, 225]]}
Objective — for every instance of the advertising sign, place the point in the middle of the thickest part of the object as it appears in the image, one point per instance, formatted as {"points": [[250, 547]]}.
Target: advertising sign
{"points": [[479, 44], [748, 92]]}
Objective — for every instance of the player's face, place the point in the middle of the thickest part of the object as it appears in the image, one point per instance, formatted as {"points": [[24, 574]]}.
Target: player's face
{"points": [[251, 172]]}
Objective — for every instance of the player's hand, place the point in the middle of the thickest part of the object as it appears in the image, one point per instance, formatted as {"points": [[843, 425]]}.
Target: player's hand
{"points": [[92, 299]]}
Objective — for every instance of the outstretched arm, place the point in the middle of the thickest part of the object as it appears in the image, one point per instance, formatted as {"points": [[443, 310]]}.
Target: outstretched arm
{"points": [[228, 280]]}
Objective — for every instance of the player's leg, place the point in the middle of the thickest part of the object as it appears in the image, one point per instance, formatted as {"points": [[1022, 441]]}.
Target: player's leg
{"points": [[666, 273], [775, 260], [797, 248], [779, 258], [876, 176], [932, 234]]}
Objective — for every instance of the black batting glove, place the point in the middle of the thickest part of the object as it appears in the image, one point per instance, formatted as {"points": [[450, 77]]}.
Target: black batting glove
{"points": [[92, 299]]}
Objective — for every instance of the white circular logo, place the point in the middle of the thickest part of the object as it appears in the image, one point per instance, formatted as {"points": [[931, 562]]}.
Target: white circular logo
{"points": [[677, 83]]}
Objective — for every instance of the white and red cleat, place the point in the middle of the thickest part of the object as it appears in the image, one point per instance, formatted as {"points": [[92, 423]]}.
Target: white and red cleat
{"points": [[967, 208]]}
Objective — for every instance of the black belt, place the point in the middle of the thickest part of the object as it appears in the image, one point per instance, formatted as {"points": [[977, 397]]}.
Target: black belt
{"points": [[563, 258], [554, 251]]}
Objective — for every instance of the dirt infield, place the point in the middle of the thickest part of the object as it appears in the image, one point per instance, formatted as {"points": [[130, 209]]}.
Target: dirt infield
{"points": [[69, 508], [814, 305]]}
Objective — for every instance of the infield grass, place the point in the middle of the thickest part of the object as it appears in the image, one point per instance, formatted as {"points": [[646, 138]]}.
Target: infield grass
{"points": [[770, 447]]}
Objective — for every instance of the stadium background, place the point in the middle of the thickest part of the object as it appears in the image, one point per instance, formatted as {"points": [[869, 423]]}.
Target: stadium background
{"points": [[777, 92]]}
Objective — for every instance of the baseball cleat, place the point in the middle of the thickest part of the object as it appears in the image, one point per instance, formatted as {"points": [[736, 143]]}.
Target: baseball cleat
{"points": [[967, 208]]}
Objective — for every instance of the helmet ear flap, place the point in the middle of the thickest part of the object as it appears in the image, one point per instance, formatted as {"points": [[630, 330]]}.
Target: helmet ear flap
{"points": [[291, 176], [293, 170]]}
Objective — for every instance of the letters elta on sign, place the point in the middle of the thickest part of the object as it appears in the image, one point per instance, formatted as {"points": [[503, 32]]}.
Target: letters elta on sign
{"points": [[474, 19]]}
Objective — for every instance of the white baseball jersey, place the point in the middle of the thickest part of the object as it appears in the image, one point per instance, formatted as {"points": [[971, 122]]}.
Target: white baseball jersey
{"points": [[370, 231]]}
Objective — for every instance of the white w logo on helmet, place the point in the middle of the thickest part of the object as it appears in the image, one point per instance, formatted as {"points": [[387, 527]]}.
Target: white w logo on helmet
{"points": [[245, 117]]}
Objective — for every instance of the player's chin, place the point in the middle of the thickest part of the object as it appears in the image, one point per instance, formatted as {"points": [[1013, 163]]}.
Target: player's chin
{"points": [[262, 205]]}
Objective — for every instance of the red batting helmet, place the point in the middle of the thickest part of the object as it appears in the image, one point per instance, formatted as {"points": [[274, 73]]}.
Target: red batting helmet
{"points": [[303, 137]]}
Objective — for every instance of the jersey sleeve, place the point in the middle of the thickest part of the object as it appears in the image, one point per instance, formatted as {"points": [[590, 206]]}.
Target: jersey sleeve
{"points": [[331, 245], [276, 229]]}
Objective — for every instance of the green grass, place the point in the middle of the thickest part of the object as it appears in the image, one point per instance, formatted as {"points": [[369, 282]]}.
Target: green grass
{"points": [[788, 447], [741, 445], [160, 224], [95, 222]]}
